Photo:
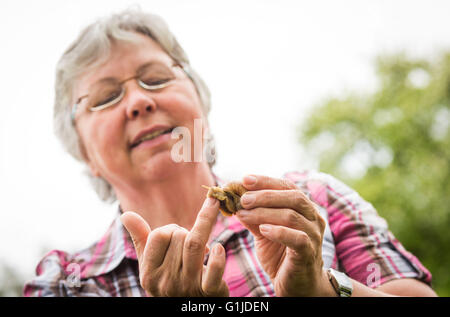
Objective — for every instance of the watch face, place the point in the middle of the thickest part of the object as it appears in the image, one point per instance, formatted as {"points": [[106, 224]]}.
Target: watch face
{"points": [[344, 283]]}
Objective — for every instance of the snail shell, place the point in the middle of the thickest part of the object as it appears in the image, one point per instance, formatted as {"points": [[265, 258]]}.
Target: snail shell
{"points": [[229, 197]]}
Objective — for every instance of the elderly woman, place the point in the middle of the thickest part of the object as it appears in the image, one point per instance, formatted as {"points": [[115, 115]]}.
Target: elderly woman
{"points": [[122, 89]]}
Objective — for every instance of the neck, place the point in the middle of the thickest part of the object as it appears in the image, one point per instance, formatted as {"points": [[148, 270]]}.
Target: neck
{"points": [[175, 199]]}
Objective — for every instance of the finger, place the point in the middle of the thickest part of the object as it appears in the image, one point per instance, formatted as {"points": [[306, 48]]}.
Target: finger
{"points": [[290, 199], [174, 253], [212, 278], [158, 243], [258, 182], [253, 228], [296, 240], [194, 245], [160, 255], [274, 216], [138, 229]]}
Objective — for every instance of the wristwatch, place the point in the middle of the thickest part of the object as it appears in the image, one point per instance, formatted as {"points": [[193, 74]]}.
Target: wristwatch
{"points": [[341, 283]]}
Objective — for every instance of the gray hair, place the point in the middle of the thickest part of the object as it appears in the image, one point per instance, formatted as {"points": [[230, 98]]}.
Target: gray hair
{"points": [[92, 48]]}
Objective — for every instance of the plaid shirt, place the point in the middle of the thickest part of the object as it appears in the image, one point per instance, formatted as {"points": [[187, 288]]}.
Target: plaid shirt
{"points": [[356, 241]]}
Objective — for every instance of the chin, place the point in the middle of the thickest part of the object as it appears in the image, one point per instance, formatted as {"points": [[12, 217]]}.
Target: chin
{"points": [[161, 166]]}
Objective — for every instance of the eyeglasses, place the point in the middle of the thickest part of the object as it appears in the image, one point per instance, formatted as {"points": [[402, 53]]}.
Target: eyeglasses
{"points": [[109, 91]]}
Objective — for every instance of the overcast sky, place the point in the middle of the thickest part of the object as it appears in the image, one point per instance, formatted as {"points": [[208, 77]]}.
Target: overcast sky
{"points": [[266, 63]]}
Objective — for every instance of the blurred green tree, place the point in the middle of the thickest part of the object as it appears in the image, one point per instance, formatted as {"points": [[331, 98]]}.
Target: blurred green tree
{"points": [[392, 145], [11, 281]]}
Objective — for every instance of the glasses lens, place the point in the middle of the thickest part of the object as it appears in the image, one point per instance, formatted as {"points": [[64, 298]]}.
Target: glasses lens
{"points": [[156, 76], [105, 96]]}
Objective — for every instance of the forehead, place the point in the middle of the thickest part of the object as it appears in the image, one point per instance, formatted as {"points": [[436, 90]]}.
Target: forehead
{"points": [[124, 60]]}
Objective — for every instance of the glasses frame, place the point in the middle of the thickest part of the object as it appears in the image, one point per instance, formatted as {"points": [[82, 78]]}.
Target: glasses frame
{"points": [[185, 68]]}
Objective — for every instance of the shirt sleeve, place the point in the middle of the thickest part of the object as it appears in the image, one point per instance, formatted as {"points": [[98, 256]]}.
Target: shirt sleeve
{"points": [[57, 276], [50, 278], [60, 274], [365, 248]]}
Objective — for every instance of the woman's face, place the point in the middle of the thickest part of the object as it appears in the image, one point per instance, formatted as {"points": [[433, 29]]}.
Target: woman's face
{"points": [[109, 137]]}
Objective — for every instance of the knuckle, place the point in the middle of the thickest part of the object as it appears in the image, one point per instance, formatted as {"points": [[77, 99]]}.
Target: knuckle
{"points": [[160, 234], [322, 223], [292, 217], [204, 217], [288, 183], [306, 205], [143, 281], [300, 198], [314, 210], [193, 243], [179, 234], [300, 194], [316, 236], [173, 227], [301, 239]]}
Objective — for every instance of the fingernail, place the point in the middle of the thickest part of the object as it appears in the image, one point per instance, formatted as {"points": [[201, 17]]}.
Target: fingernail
{"points": [[250, 180], [217, 250], [248, 199], [209, 202], [122, 216], [243, 213], [265, 228]]}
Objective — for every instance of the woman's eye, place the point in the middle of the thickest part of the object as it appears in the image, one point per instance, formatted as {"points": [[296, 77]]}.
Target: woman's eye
{"points": [[108, 98], [155, 82]]}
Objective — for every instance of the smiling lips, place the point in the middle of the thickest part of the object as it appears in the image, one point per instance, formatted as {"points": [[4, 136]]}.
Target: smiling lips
{"points": [[150, 135]]}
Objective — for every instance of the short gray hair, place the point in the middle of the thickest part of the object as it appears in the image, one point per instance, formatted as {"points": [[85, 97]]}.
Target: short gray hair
{"points": [[90, 49]]}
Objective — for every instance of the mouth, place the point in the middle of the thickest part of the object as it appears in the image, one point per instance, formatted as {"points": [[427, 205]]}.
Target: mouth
{"points": [[150, 136]]}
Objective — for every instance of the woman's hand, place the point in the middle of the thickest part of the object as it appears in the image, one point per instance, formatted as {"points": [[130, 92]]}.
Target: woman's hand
{"points": [[171, 257], [288, 233]]}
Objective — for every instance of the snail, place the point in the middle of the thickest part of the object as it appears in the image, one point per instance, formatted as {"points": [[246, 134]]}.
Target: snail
{"points": [[229, 197]]}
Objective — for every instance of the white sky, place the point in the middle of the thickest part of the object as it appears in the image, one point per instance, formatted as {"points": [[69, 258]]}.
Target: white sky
{"points": [[266, 63]]}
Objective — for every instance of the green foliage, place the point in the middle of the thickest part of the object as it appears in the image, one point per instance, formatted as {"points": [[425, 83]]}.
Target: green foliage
{"points": [[393, 147], [11, 282]]}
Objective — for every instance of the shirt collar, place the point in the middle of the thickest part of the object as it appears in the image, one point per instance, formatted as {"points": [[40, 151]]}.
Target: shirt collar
{"points": [[107, 253]]}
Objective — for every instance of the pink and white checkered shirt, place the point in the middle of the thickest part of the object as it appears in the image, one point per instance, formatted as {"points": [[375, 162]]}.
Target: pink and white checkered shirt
{"points": [[356, 241]]}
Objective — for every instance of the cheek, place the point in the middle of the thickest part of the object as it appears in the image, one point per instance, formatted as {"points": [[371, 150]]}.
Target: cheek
{"points": [[183, 105], [102, 139]]}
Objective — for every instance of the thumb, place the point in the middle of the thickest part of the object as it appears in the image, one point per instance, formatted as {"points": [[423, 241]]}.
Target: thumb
{"points": [[138, 229]]}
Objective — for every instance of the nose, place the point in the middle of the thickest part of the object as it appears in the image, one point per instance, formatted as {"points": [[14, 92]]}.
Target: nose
{"points": [[139, 110], [139, 103]]}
